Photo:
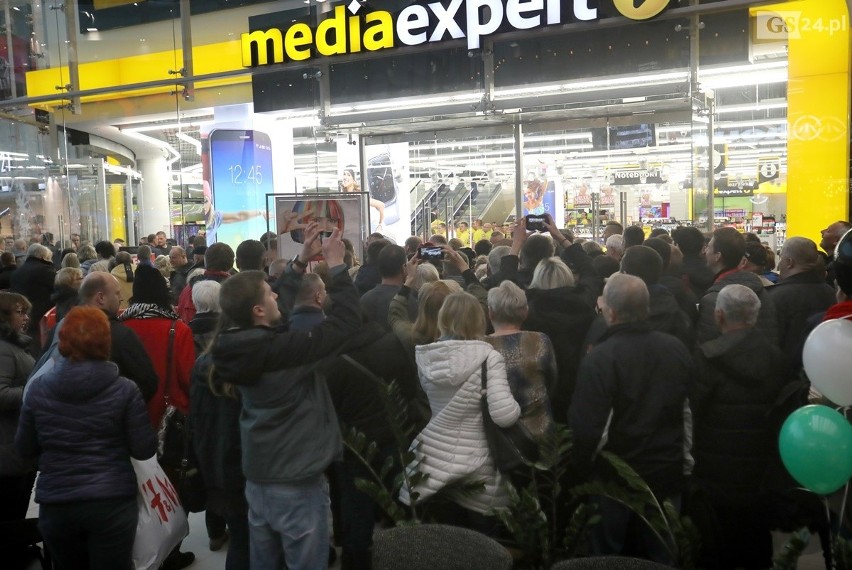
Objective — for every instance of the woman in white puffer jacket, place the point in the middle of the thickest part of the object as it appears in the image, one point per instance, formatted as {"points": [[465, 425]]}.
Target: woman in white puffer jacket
{"points": [[453, 446]]}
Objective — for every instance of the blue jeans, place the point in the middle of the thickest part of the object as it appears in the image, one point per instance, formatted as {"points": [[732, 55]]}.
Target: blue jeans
{"points": [[288, 523]]}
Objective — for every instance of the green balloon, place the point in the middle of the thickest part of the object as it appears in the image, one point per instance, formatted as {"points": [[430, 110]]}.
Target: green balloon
{"points": [[816, 448]]}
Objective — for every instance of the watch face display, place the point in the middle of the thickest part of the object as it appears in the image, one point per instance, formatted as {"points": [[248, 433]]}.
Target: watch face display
{"points": [[381, 179]]}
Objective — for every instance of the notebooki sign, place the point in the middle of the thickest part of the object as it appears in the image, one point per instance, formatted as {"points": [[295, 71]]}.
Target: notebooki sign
{"points": [[355, 29]]}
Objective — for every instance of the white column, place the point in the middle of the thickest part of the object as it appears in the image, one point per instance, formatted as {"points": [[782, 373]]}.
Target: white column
{"points": [[154, 198]]}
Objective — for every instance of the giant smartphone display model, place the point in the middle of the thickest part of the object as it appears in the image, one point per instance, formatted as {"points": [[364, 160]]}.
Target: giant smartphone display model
{"points": [[383, 186], [240, 179]]}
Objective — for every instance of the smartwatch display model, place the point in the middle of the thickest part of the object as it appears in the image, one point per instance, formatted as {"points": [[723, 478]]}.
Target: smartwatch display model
{"points": [[383, 186]]}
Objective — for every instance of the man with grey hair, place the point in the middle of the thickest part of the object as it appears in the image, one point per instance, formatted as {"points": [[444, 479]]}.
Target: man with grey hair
{"points": [[615, 247], [20, 250], [800, 293], [738, 378], [205, 297], [495, 257], [34, 280], [737, 307], [630, 400]]}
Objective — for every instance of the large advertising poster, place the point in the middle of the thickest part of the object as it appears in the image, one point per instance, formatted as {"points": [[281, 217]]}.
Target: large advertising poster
{"points": [[240, 178], [388, 185], [244, 158], [294, 212], [543, 192]]}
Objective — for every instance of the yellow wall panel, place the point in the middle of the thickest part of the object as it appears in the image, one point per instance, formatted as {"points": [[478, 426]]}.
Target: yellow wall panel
{"points": [[207, 59], [817, 116]]}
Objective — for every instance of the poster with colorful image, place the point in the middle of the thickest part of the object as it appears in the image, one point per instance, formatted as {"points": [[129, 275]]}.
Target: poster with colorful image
{"points": [[540, 197], [582, 196], [387, 185], [543, 191], [295, 211]]}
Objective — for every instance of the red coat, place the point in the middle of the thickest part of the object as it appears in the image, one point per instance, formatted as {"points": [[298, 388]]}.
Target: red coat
{"points": [[154, 334]]}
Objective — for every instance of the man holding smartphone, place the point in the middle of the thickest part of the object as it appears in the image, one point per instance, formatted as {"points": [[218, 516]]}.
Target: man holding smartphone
{"points": [[288, 427]]}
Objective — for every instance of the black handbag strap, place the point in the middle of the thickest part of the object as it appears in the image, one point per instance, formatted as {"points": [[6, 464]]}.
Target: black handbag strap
{"points": [[484, 397], [168, 387]]}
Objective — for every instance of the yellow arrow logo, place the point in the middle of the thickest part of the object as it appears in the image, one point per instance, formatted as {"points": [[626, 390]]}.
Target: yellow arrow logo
{"points": [[640, 9]]}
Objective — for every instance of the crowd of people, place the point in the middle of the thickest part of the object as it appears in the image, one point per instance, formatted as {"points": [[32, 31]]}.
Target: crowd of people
{"points": [[669, 351]]}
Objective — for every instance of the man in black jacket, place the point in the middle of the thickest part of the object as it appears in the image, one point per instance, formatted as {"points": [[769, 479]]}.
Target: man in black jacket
{"points": [[665, 314], [739, 376], [693, 269], [725, 255], [830, 237], [102, 290], [34, 280], [7, 266], [799, 294], [181, 268], [630, 400], [288, 429]]}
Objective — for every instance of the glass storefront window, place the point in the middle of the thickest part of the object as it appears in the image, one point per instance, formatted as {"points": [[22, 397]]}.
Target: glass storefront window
{"points": [[606, 112]]}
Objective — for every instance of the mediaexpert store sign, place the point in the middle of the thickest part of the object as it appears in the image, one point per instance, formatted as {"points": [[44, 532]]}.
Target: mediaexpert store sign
{"points": [[355, 29]]}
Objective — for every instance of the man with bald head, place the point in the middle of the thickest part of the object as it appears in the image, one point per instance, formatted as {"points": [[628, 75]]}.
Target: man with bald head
{"points": [[101, 290], [830, 236], [800, 293], [630, 400]]}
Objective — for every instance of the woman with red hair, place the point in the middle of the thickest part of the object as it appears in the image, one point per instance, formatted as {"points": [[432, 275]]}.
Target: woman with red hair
{"points": [[83, 421]]}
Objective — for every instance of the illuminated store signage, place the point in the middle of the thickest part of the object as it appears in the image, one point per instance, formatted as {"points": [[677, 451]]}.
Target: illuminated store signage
{"points": [[350, 30], [639, 176]]}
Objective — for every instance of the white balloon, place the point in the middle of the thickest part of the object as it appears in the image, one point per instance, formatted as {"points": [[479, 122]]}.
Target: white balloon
{"points": [[828, 360]]}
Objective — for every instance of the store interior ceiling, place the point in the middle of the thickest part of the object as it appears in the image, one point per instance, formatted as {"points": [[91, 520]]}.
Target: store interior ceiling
{"points": [[451, 134]]}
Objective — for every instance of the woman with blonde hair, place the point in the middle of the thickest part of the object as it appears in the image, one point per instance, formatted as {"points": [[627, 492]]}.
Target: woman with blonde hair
{"points": [[453, 447], [530, 361], [429, 301], [430, 298], [70, 259]]}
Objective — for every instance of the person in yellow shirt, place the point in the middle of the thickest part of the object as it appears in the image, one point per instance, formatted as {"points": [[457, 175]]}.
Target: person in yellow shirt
{"points": [[439, 227], [478, 232], [487, 229], [463, 233]]}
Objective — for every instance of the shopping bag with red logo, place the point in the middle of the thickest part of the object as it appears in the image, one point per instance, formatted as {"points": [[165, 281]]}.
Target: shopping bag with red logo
{"points": [[162, 521]]}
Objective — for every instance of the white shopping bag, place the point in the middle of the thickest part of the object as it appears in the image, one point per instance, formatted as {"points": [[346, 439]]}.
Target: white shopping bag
{"points": [[162, 521]]}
